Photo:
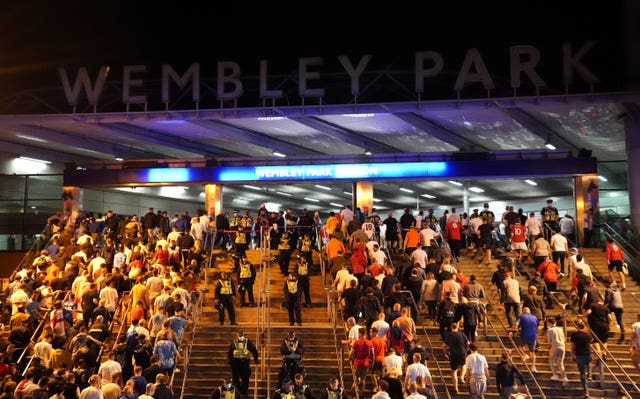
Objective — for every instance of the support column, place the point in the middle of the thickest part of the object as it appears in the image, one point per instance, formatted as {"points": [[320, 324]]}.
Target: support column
{"points": [[586, 196], [70, 200], [212, 200], [364, 196], [632, 133], [465, 199]]}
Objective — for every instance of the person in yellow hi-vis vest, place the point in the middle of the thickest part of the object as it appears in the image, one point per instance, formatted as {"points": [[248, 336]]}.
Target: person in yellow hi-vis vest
{"points": [[238, 355], [226, 391], [292, 299], [223, 294]]}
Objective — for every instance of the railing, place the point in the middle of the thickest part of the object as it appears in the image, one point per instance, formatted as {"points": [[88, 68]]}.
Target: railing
{"points": [[601, 364], [197, 311], [494, 309], [36, 332], [433, 355], [332, 299]]}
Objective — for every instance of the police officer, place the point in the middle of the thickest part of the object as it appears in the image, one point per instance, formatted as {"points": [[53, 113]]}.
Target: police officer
{"points": [[300, 389], [291, 350], [225, 391], [303, 280], [238, 356], [224, 293], [284, 253], [285, 391], [247, 273], [292, 299], [334, 390]]}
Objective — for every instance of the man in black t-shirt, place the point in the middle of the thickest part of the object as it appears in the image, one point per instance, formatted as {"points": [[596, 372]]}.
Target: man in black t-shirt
{"points": [[581, 353]]}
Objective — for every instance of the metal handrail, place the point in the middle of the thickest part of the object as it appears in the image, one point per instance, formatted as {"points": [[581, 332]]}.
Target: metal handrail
{"points": [[610, 356], [197, 311], [37, 331], [512, 341], [433, 355]]}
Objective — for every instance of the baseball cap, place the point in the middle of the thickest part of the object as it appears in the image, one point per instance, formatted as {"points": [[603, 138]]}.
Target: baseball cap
{"points": [[486, 205], [549, 201]]}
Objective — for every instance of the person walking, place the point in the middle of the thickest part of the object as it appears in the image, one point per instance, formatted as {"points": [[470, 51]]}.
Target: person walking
{"points": [[528, 326], [291, 350], [615, 258], [581, 353], [506, 376], [247, 274], [456, 346], [226, 390], [292, 299], [556, 341], [476, 370], [238, 357], [613, 300], [224, 292]]}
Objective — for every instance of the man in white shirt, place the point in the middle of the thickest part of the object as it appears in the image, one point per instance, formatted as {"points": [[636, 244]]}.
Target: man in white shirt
{"points": [[559, 250], [419, 256], [415, 369], [555, 338], [634, 346], [381, 325], [477, 370], [392, 361]]}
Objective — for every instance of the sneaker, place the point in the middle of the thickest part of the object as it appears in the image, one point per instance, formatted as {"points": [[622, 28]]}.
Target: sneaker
{"points": [[525, 358], [534, 369], [555, 377], [565, 379]]}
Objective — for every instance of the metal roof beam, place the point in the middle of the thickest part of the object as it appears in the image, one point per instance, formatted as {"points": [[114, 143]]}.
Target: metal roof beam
{"points": [[255, 138], [439, 132], [169, 140], [46, 154], [347, 136], [538, 128]]}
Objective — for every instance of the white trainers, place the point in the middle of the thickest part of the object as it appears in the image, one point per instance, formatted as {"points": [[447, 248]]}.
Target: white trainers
{"points": [[565, 379], [525, 358], [534, 369], [555, 377]]}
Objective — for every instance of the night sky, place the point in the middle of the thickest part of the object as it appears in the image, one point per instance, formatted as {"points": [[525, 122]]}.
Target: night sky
{"points": [[36, 38]]}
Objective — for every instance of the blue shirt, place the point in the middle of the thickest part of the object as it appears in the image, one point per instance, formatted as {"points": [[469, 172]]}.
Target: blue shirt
{"points": [[528, 326]]}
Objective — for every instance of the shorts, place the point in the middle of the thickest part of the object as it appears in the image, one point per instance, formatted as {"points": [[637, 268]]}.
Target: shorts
{"points": [[617, 264], [377, 368], [601, 333], [522, 246], [485, 243], [361, 373], [456, 362], [529, 343]]}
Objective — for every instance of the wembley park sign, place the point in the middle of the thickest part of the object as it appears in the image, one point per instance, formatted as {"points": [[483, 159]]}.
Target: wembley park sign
{"points": [[524, 66]]}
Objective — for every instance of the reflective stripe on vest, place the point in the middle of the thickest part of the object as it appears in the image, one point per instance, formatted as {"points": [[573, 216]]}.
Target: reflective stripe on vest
{"points": [[292, 346], [306, 246], [245, 270], [225, 287], [240, 352], [292, 286], [241, 238], [303, 270], [284, 245]]}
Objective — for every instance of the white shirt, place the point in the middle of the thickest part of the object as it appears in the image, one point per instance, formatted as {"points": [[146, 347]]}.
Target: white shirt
{"points": [[419, 256], [533, 226], [416, 369], [382, 327], [391, 361], [635, 335], [108, 369], [559, 243], [476, 364], [426, 235]]}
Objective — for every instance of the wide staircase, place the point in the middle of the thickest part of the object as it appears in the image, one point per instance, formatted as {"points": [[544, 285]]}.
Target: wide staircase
{"points": [[268, 325]]}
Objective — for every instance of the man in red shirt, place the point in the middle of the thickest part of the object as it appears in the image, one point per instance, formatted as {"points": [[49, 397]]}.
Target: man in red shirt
{"points": [[452, 234], [518, 243], [549, 272], [379, 345], [615, 257], [362, 356]]}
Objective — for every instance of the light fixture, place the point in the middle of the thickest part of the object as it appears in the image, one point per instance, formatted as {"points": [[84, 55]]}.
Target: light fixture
{"points": [[279, 154], [377, 200], [457, 183], [428, 196], [311, 199], [252, 187], [529, 181], [476, 189], [334, 204], [26, 137], [283, 193], [35, 160], [367, 152], [550, 146], [602, 178], [323, 187], [406, 190], [348, 193], [118, 159]]}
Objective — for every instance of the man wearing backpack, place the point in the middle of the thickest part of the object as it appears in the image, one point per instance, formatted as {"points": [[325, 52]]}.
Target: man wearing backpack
{"points": [[446, 314]]}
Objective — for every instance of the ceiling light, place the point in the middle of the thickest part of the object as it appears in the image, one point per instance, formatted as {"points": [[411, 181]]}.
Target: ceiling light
{"points": [[367, 152], [476, 189], [118, 159], [550, 146], [348, 193], [283, 193], [323, 187], [278, 154], [37, 139], [366, 115], [334, 204], [529, 181], [457, 183], [311, 199], [406, 190], [252, 187], [602, 178], [377, 200], [271, 118], [35, 160], [428, 196]]}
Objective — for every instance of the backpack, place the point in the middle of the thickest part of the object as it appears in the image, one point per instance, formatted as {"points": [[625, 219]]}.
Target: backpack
{"points": [[448, 310], [132, 340]]}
